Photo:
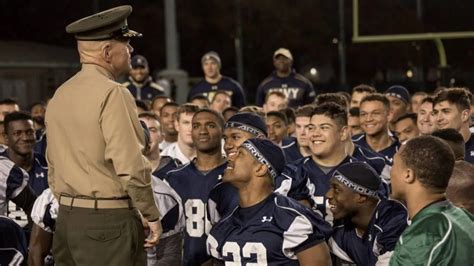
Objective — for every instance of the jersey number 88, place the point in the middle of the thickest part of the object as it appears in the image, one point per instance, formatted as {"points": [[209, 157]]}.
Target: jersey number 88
{"points": [[196, 219]]}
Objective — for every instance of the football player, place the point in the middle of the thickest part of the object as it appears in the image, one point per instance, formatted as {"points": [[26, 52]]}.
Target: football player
{"points": [[194, 181], [366, 227], [266, 228]]}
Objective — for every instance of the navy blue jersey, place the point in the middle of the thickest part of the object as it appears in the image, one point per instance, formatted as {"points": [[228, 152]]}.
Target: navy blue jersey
{"points": [[45, 211], [39, 133], [38, 173], [469, 155], [374, 159], [225, 84], [271, 232], [13, 247], [378, 163], [170, 206], [166, 164], [144, 91], [293, 183], [291, 149], [296, 87], [13, 180], [223, 198], [166, 199], [378, 241], [40, 145], [193, 187], [387, 153], [319, 183]]}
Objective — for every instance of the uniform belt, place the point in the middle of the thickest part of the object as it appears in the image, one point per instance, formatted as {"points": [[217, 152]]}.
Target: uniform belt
{"points": [[95, 203]]}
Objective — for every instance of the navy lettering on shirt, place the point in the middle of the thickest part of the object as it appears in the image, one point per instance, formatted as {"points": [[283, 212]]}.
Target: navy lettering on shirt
{"points": [[296, 87]]}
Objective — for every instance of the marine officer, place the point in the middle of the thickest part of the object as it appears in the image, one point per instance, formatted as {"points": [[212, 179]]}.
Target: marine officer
{"points": [[95, 142]]}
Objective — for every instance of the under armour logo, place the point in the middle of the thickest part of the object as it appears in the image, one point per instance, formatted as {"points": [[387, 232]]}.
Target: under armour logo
{"points": [[472, 153], [265, 219], [390, 160], [39, 175], [370, 237]]}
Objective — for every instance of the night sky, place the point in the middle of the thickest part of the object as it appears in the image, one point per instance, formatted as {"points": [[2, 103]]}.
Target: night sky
{"points": [[308, 28]]}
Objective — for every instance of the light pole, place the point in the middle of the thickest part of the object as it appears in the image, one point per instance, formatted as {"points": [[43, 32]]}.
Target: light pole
{"points": [[172, 71], [238, 43], [341, 45]]}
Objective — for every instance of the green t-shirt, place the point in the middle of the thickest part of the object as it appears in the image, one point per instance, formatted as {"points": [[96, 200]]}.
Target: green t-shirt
{"points": [[440, 234]]}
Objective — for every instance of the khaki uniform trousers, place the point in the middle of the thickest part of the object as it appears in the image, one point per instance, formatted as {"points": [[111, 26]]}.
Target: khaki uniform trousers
{"points": [[89, 237]]}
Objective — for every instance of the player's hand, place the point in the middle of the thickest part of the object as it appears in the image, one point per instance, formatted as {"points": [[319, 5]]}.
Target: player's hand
{"points": [[154, 234]]}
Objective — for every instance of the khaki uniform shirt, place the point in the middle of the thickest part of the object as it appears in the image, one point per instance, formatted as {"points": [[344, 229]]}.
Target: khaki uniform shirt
{"points": [[95, 141]]}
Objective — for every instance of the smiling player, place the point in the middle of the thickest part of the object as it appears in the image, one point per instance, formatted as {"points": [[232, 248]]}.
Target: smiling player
{"points": [[366, 227], [266, 228], [374, 119], [452, 108]]}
